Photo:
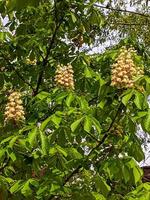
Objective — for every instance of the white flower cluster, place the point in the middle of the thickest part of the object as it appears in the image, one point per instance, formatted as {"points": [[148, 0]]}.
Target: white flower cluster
{"points": [[14, 109], [124, 70], [64, 76]]}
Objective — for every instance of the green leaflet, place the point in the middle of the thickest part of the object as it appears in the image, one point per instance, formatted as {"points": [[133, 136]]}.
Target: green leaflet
{"points": [[75, 124], [127, 97], [146, 122], [44, 143], [32, 136], [101, 186], [87, 124]]}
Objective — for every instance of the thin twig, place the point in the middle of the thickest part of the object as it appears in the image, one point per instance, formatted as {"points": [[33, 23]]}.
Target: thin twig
{"points": [[121, 10], [129, 24]]}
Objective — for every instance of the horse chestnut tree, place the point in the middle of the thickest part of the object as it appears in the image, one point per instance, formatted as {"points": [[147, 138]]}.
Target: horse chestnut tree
{"points": [[69, 119]]}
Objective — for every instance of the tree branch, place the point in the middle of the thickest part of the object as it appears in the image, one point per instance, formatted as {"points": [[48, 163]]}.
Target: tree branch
{"points": [[121, 10], [129, 24], [22, 78], [45, 60], [106, 133], [75, 171]]}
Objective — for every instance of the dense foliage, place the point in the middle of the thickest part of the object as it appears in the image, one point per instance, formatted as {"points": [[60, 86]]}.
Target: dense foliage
{"points": [[74, 133]]}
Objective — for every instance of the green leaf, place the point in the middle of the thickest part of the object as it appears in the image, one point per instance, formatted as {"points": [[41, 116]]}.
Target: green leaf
{"points": [[2, 36], [7, 139], [16, 187], [42, 95], [83, 103], [87, 124], [101, 186], [146, 122], [87, 73], [56, 120], [139, 115], [44, 123], [2, 153], [73, 153], [101, 104], [75, 124], [60, 97], [61, 150], [96, 124], [26, 190], [137, 174], [127, 97], [126, 173], [32, 136], [18, 5], [69, 99], [54, 187], [135, 149], [98, 196], [139, 99], [74, 19], [12, 141], [12, 156], [44, 142], [42, 190]]}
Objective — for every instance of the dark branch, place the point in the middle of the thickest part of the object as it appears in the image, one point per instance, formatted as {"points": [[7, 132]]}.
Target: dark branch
{"points": [[45, 60], [22, 78], [129, 24], [121, 10], [106, 133]]}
